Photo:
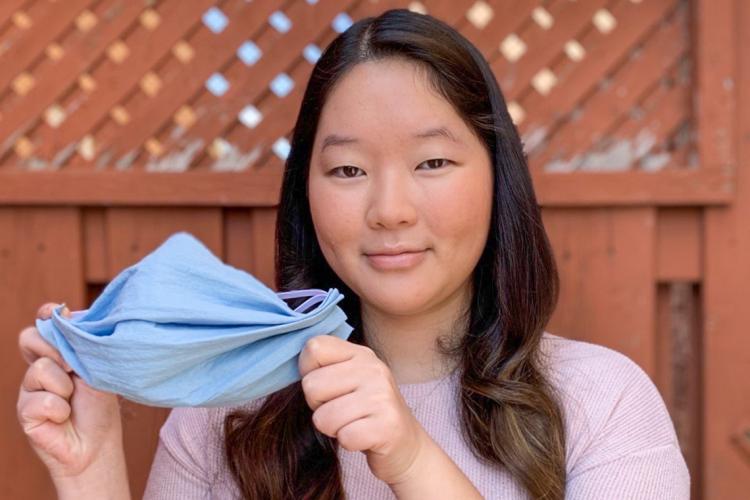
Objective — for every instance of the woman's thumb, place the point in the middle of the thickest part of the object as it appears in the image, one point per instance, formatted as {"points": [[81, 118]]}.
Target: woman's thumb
{"points": [[82, 387]]}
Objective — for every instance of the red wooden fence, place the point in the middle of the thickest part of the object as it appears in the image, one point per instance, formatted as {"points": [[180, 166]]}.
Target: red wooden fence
{"points": [[122, 122]]}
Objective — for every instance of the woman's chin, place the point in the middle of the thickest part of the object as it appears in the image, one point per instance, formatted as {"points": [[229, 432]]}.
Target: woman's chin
{"points": [[397, 304]]}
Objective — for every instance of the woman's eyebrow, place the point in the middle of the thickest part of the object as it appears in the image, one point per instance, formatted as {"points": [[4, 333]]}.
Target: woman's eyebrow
{"points": [[437, 132], [337, 140], [340, 140]]}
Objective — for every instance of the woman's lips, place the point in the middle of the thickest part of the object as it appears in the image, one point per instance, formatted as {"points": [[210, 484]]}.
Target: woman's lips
{"points": [[401, 261]]}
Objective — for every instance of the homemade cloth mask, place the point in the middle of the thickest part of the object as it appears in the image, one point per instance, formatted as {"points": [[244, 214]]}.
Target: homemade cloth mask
{"points": [[181, 328]]}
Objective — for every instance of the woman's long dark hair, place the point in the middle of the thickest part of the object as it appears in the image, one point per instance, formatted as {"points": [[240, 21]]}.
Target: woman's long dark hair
{"points": [[509, 412]]}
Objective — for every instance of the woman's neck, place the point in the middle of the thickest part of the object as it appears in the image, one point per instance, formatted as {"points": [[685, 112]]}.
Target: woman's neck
{"points": [[408, 344]]}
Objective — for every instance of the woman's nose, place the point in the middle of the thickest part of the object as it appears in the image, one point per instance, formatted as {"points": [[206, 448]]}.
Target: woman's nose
{"points": [[391, 204]]}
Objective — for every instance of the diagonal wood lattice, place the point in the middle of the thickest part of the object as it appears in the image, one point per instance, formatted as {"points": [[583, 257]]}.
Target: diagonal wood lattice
{"points": [[207, 85], [105, 99]]}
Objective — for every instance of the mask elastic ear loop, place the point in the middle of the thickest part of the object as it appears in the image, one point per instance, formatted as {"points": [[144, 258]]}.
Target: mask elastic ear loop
{"points": [[316, 295], [307, 292], [309, 303]]}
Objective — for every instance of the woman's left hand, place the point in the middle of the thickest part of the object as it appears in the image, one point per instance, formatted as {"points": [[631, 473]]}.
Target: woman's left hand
{"points": [[356, 400]]}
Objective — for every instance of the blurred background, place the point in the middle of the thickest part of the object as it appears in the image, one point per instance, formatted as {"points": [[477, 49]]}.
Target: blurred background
{"points": [[123, 121]]}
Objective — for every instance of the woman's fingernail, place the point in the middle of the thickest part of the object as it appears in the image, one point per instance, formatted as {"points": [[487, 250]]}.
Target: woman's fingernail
{"points": [[45, 311]]}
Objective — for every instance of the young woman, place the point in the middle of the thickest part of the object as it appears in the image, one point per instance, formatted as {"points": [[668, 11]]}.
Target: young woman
{"points": [[407, 189]]}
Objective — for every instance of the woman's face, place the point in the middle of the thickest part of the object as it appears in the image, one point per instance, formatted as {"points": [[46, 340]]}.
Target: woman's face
{"points": [[394, 166]]}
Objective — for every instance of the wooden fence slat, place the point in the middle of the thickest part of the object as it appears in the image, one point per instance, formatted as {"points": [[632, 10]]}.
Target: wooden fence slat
{"points": [[275, 124], [726, 343], [607, 278], [277, 128], [132, 233], [667, 114], [238, 238], [255, 188], [277, 112], [223, 112], [544, 45], [249, 242], [213, 51], [59, 76], [508, 17], [263, 244], [661, 121], [7, 8], [679, 246], [716, 82], [120, 79], [599, 113], [450, 11], [274, 110], [680, 369], [41, 260], [95, 245], [634, 21], [57, 17], [170, 72]]}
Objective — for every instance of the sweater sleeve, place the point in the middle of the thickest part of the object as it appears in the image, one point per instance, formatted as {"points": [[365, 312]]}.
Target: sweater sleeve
{"points": [[181, 467], [623, 442], [657, 472]]}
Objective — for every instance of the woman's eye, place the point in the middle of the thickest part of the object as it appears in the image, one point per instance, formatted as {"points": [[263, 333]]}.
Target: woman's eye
{"points": [[345, 169], [436, 163], [349, 171]]}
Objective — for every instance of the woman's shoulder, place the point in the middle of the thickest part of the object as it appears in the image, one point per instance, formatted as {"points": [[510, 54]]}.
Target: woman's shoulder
{"points": [[594, 377], [612, 409], [577, 362]]}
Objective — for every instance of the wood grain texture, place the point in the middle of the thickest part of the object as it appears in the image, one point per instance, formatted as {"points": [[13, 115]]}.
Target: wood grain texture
{"points": [[726, 408], [41, 260], [653, 264], [607, 278]]}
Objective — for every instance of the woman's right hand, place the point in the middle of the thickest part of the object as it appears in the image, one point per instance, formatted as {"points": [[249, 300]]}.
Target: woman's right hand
{"points": [[75, 429]]}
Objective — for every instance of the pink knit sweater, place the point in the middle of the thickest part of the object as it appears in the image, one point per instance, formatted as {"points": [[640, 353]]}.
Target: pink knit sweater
{"points": [[621, 442]]}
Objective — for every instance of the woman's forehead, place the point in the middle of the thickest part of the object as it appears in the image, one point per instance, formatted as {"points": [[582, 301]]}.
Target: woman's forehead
{"points": [[391, 97], [384, 86]]}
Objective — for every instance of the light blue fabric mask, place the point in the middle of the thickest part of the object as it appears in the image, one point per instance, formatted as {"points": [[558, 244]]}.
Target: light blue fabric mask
{"points": [[181, 328]]}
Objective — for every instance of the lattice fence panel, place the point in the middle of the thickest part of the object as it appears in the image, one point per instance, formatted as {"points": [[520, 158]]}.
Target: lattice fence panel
{"points": [[175, 85]]}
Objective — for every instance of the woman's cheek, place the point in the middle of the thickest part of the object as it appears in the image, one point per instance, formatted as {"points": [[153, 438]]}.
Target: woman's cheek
{"points": [[330, 210], [338, 233], [461, 216], [453, 210]]}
